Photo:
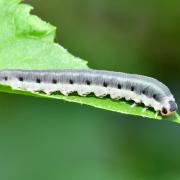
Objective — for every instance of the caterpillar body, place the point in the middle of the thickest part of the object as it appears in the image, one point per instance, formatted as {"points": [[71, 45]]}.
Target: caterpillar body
{"points": [[139, 88]]}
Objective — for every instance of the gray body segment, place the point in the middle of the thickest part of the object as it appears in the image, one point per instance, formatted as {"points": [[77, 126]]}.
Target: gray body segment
{"points": [[138, 84]]}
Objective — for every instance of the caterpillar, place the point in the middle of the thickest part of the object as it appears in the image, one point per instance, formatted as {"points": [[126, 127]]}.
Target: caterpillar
{"points": [[138, 88]]}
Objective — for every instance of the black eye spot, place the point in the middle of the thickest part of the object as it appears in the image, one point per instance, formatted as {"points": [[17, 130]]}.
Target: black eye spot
{"points": [[144, 92], [54, 81], [21, 79], [154, 96], [119, 86], [38, 80], [88, 82], [71, 81], [5, 78], [132, 88], [164, 110], [105, 84]]}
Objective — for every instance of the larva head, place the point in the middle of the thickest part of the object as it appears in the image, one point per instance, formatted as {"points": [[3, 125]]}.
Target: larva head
{"points": [[169, 108]]}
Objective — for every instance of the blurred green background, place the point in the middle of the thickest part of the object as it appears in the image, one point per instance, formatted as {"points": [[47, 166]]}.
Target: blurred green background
{"points": [[51, 139]]}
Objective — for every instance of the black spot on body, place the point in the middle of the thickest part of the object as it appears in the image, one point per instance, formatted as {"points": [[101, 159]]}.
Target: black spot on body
{"points": [[38, 80], [21, 79], [88, 82], [105, 84], [119, 86], [132, 88], [54, 81], [5, 78], [154, 96], [71, 81], [144, 92]]}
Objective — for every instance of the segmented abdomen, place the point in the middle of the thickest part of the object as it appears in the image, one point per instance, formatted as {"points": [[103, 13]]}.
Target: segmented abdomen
{"points": [[140, 89]]}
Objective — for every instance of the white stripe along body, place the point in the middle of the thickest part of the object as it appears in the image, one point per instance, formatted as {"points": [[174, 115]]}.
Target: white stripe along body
{"points": [[140, 89]]}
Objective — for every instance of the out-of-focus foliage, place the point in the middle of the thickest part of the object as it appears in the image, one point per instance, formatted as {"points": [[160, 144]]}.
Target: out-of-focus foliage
{"points": [[27, 42]]}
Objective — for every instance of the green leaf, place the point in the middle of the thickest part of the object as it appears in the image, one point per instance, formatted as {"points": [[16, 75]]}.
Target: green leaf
{"points": [[27, 42]]}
